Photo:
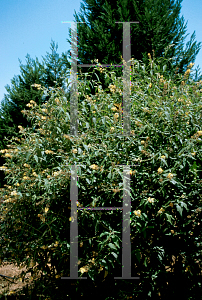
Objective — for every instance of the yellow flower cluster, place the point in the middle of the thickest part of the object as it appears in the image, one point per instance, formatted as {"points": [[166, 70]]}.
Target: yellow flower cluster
{"points": [[114, 108], [57, 100], [190, 65], [14, 193], [8, 155], [116, 115], [49, 152], [66, 136], [29, 105], [94, 167], [137, 213], [160, 170], [112, 88], [161, 210], [38, 86], [26, 165], [20, 127], [151, 200], [170, 176], [187, 72], [44, 110]]}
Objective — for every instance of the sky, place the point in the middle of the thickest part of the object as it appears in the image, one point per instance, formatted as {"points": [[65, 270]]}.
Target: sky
{"points": [[28, 26]]}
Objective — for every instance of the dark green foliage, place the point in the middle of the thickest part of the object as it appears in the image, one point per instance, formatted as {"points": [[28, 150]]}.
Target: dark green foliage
{"points": [[50, 73], [159, 26]]}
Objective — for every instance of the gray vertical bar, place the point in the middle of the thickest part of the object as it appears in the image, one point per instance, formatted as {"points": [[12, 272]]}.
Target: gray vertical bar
{"points": [[73, 79], [126, 243], [73, 227], [126, 78]]}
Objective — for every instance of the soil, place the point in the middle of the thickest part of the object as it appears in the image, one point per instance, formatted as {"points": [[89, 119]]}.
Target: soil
{"points": [[11, 270]]}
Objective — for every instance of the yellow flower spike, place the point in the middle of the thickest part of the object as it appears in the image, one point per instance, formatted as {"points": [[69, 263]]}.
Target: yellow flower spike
{"points": [[199, 133], [46, 209], [74, 150], [150, 85], [163, 156]]}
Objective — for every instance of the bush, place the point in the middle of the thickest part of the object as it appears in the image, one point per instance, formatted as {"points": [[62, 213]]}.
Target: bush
{"points": [[165, 187]]}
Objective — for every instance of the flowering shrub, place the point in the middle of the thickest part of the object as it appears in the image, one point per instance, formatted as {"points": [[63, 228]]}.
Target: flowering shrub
{"points": [[164, 146]]}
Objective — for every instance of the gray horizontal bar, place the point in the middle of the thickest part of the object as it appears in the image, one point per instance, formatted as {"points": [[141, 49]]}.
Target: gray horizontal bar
{"points": [[129, 22], [84, 65], [74, 278], [100, 208], [126, 277]]}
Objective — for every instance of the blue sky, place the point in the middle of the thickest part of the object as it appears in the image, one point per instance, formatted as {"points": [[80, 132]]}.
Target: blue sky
{"points": [[27, 27]]}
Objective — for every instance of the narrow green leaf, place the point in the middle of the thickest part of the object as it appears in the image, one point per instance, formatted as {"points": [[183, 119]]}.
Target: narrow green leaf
{"points": [[114, 254], [179, 209], [112, 246]]}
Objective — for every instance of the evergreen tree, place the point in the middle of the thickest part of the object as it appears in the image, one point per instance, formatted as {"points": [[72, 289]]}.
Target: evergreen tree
{"points": [[50, 73], [159, 27]]}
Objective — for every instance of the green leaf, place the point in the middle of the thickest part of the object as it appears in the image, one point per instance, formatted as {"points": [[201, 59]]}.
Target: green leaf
{"points": [[179, 209], [169, 217], [91, 274], [88, 180], [184, 205], [112, 246], [85, 146], [103, 233], [104, 264], [79, 150], [36, 158], [114, 254], [109, 175], [115, 241]]}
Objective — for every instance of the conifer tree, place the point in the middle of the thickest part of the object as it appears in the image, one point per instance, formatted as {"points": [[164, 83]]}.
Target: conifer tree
{"points": [[50, 73], [159, 26]]}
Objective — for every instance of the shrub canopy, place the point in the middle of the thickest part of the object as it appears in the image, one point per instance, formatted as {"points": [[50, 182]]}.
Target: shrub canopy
{"points": [[164, 152]]}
